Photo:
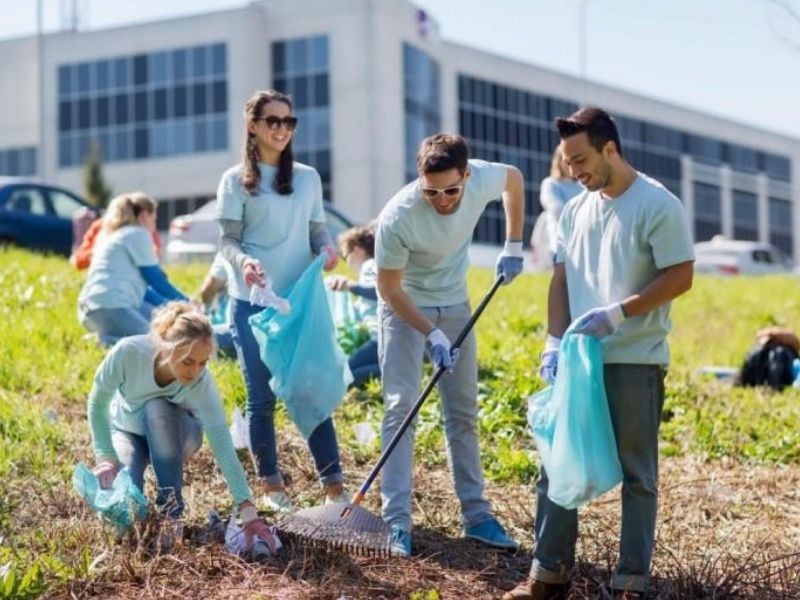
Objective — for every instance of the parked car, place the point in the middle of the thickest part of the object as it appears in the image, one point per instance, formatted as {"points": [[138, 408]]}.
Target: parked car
{"points": [[36, 215], [722, 256], [195, 236]]}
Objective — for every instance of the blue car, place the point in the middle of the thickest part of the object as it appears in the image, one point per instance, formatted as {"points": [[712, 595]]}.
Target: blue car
{"points": [[37, 216]]}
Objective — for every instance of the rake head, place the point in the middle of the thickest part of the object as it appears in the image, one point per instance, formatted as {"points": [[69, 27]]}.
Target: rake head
{"points": [[346, 527]]}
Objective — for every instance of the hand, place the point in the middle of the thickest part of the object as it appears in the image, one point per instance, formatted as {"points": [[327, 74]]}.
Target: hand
{"points": [[106, 471], [253, 526], [333, 257], [338, 283], [600, 322], [510, 261], [253, 273], [442, 356], [549, 365]]}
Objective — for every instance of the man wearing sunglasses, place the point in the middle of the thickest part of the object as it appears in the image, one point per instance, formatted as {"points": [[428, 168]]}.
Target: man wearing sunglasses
{"points": [[423, 235]]}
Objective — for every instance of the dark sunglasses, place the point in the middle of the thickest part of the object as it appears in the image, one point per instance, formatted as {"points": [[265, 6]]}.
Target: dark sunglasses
{"points": [[274, 123]]}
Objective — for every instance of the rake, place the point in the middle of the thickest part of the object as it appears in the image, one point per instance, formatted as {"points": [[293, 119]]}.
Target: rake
{"points": [[350, 527]]}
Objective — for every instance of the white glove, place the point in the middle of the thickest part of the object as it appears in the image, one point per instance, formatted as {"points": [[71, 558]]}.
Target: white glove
{"points": [[441, 353], [600, 322]]}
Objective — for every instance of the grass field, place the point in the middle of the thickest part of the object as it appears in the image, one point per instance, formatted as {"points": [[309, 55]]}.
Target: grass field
{"points": [[729, 523]]}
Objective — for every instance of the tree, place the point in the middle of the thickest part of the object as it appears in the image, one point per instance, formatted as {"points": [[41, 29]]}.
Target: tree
{"points": [[97, 191]]}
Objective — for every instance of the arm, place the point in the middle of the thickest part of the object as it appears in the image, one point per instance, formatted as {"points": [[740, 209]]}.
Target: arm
{"points": [[558, 317], [668, 285], [209, 290], [219, 438], [157, 280], [390, 286], [97, 408], [514, 204], [153, 297], [319, 237], [365, 291], [230, 242]]}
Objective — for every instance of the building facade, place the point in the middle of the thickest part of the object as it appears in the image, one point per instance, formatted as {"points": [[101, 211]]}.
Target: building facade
{"points": [[162, 103]]}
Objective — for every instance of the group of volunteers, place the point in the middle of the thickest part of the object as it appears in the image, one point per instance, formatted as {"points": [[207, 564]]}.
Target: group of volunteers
{"points": [[622, 252]]}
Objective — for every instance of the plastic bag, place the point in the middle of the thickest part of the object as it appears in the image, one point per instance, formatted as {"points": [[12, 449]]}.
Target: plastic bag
{"points": [[239, 431], [120, 505], [309, 369], [264, 296], [571, 425], [235, 540]]}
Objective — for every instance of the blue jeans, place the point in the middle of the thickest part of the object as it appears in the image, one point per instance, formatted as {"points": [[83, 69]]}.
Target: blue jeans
{"points": [[172, 436], [224, 338], [113, 324], [635, 400], [364, 363], [401, 350], [261, 408]]}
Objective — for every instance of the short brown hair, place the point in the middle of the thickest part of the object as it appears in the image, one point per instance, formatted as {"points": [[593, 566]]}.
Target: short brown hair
{"points": [[442, 152], [597, 124], [358, 237]]}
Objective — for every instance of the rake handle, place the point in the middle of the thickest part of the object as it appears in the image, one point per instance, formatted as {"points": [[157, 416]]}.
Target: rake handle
{"points": [[359, 495]]}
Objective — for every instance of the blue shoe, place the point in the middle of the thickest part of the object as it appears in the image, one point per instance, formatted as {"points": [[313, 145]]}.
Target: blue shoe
{"points": [[400, 542], [491, 533]]}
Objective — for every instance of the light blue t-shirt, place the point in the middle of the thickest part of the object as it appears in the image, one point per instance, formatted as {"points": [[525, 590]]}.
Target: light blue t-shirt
{"points": [[553, 195], [276, 227], [432, 248], [114, 280], [613, 248], [368, 309], [125, 382]]}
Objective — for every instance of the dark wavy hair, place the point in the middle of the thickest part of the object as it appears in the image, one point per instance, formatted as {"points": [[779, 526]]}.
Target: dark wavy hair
{"points": [[250, 175]]}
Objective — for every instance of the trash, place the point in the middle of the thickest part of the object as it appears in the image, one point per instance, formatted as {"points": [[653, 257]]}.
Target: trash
{"points": [[724, 374], [50, 415], [235, 541], [365, 434], [120, 505], [239, 431], [571, 425], [264, 296]]}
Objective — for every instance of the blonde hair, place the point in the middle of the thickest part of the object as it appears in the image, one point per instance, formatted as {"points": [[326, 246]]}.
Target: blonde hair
{"points": [[558, 170], [126, 208], [179, 324]]}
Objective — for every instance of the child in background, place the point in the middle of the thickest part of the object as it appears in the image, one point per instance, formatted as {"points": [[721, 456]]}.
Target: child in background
{"points": [[357, 245]]}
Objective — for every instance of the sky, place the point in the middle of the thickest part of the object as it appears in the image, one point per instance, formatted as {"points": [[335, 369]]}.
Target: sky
{"points": [[738, 59]]}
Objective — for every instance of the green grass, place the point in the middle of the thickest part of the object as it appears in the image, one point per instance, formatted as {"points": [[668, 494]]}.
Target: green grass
{"points": [[47, 363]]}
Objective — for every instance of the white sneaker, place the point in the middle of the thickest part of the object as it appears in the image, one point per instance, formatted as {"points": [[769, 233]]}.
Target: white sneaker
{"points": [[342, 498], [278, 502]]}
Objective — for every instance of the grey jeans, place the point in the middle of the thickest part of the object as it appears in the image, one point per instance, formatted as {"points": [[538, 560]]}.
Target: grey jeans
{"points": [[401, 349], [635, 400]]}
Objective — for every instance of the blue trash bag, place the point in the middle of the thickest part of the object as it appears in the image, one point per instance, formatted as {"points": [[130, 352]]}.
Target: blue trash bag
{"points": [[120, 505], [309, 369], [571, 426]]}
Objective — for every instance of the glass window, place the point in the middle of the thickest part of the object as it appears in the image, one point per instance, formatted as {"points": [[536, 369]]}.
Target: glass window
{"points": [[12, 161], [179, 60], [781, 234], [218, 59], [319, 53], [28, 161], [278, 58], [140, 143], [743, 159], [296, 56], [181, 136], [140, 75], [704, 149], [64, 115], [199, 62], [745, 215], [320, 93], [159, 139], [199, 99], [64, 80], [180, 101], [219, 134], [64, 204], [65, 151], [140, 107], [84, 147], [157, 67], [121, 76], [103, 72], [707, 211], [200, 136], [27, 200], [102, 111], [121, 109], [122, 145], [84, 114], [777, 167], [220, 96], [84, 83], [160, 104]]}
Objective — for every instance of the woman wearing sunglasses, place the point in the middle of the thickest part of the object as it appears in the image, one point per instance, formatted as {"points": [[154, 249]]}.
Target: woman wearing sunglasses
{"points": [[272, 223]]}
